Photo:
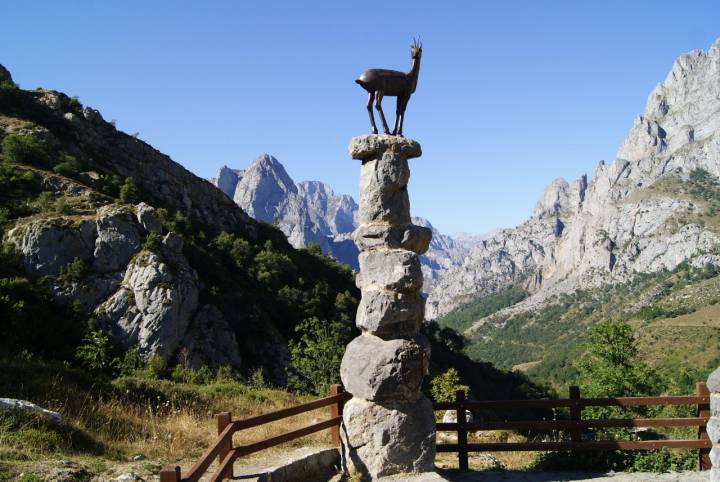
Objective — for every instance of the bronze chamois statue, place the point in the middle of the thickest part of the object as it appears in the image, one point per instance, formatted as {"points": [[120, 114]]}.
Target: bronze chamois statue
{"points": [[382, 82]]}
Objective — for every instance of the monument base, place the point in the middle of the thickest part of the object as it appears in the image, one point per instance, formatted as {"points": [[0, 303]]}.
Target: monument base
{"points": [[388, 439]]}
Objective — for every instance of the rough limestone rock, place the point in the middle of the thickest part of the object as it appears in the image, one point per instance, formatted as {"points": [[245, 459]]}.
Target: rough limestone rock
{"points": [[388, 426], [388, 314], [383, 190], [227, 180], [155, 304], [118, 238], [409, 237], [380, 370], [25, 406], [389, 438], [48, 245], [583, 235], [263, 188], [396, 270], [148, 219]]}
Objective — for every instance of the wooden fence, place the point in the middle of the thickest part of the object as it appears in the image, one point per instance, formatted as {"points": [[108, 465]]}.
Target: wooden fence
{"points": [[223, 447], [575, 424]]}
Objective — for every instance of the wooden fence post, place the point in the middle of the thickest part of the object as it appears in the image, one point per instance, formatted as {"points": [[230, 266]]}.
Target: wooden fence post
{"points": [[336, 410], [170, 474], [575, 414], [223, 420], [703, 410], [462, 429]]}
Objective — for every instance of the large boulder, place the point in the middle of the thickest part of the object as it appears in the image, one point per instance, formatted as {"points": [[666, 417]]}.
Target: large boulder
{"points": [[396, 270], [410, 237], [118, 237], [48, 245], [154, 306], [389, 438], [390, 315], [379, 370]]}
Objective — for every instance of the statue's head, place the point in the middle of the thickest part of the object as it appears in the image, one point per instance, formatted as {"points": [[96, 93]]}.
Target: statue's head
{"points": [[416, 49]]}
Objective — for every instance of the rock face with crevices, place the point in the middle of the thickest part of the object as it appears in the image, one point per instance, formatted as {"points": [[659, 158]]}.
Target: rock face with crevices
{"points": [[388, 426], [635, 215]]}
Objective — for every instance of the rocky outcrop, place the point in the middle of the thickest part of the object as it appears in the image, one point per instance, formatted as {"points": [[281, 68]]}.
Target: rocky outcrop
{"points": [[388, 426], [632, 217], [145, 299], [311, 212]]}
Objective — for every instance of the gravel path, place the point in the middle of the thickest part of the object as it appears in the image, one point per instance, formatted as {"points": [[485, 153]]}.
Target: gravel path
{"points": [[511, 476]]}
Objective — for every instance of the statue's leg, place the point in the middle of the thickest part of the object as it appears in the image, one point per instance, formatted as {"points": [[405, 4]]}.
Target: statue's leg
{"points": [[398, 113], [371, 99], [402, 114], [378, 106]]}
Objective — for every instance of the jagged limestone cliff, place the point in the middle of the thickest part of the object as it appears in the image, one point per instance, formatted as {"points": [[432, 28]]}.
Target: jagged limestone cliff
{"points": [[633, 216]]}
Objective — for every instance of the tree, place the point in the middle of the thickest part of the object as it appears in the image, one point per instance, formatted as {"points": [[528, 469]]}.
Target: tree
{"points": [[25, 150], [610, 366], [129, 192], [95, 353], [315, 358], [444, 386]]}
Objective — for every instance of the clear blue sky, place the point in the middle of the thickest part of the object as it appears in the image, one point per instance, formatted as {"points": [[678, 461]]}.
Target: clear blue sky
{"points": [[511, 94]]}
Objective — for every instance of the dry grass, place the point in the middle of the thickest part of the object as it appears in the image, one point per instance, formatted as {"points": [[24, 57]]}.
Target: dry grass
{"points": [[167, 422], [511, 460]]}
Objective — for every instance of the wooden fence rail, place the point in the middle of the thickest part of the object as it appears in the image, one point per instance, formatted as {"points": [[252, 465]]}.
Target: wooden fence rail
{"points": [[224, 450], [226, 453], [575, 425]]}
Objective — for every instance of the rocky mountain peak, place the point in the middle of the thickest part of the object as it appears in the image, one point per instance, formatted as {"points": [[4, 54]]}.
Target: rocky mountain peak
{"points": [[561, 198], [263, 188], [227, 179]]}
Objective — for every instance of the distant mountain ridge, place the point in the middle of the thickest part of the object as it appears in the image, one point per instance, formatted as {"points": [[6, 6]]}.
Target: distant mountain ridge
{"points": [[311, 212], [652, 209]]}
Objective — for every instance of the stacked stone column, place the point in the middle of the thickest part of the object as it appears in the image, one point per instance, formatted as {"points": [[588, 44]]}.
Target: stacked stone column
{"points": [[713, 426], [388, 425]]}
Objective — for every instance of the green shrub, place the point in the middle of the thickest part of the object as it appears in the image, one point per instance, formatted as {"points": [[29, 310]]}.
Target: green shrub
{"points": [[201, 376], [226, 374], [73, 272], [96, 353], [61, 206], [315, 358], [129, 192], [26, 313], [152, 242], [69, 167], [445, 385], [26, 150], [143, 390]]}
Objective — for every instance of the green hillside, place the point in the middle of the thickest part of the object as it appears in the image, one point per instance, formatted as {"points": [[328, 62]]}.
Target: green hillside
{"points": [[673, 313]]}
